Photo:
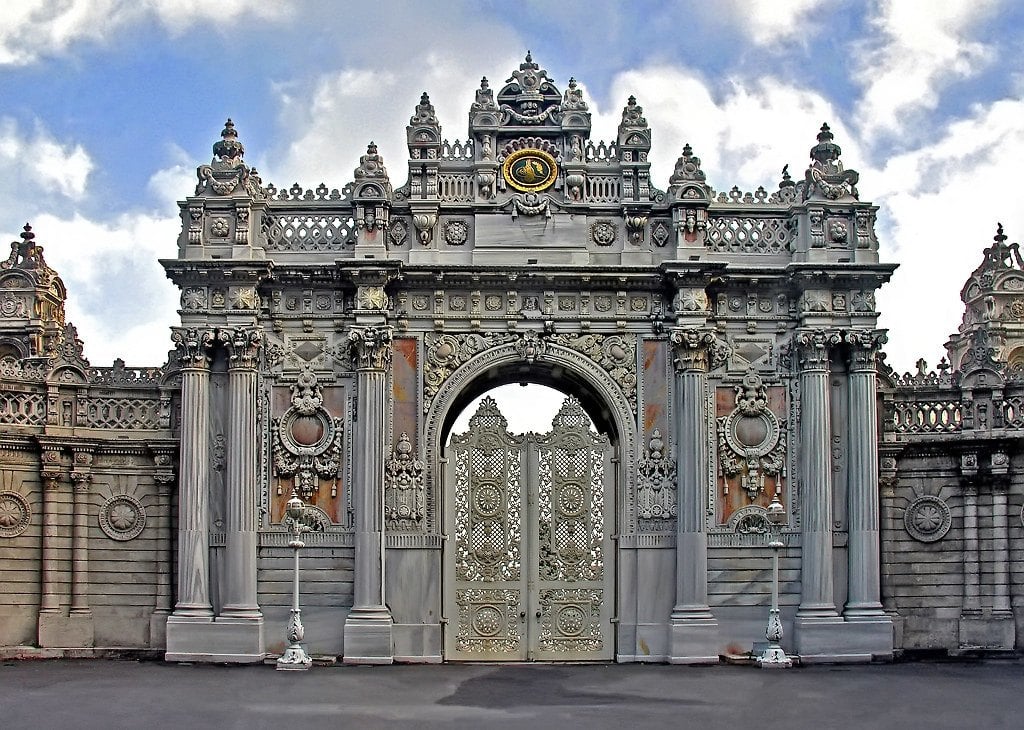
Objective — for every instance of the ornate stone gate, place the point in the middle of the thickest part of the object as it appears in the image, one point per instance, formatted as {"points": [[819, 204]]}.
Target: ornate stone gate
{"points": [[529, 569]]}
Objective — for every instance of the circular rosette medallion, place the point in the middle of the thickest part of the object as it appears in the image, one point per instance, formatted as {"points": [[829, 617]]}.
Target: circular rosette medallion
{"points": [[530, 170], [122, 517]]}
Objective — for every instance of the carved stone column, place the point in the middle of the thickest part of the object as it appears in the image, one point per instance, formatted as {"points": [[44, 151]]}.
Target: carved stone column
{"points": [[50, 599], [693, 630], [193, 498], [163, 478], [368, 626], [1001, 607], [242, 486], [972, 570], [817, 583], [863, 598], [81, 479]]}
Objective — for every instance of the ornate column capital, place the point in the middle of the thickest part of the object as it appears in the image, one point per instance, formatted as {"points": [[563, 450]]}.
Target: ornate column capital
{"points": [[243, 345], [81, 470], [370, 347], [697, 350], [864, 347], [814, 347], [193, 346]]}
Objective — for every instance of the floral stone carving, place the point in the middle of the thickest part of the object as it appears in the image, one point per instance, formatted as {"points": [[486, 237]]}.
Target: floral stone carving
{"points": [[927, 519], [122, 518], [404, 493], [307, 441], [15, 514], [656, 486], [751, 440]]}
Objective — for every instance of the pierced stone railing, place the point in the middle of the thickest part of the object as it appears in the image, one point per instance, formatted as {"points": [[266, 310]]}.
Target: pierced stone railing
{"points": [[925, 416], [601, 152], [19, 408], [123, 413], [458, 151], [308, 231], [747, 235], [298, 193], [455, 187], [602, 189]]}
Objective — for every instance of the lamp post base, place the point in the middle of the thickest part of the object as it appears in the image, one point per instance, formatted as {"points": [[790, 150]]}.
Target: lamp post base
{"points": [[294, 658], [774, 658]]}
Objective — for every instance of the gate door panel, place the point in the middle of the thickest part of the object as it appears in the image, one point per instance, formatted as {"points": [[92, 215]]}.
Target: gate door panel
{"points": [[528, 572]]}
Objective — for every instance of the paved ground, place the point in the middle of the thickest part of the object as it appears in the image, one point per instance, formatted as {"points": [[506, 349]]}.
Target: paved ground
{"points": [[68, 695]]}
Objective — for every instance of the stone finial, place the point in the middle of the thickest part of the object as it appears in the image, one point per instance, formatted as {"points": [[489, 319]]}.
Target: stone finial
{"points": [[787, 179], [228, 148], [25, 254], [687, 168], [573, 98], [424, 114], [484, 97], [371, 165], [528, 63], [825, 177], [632, 115]]}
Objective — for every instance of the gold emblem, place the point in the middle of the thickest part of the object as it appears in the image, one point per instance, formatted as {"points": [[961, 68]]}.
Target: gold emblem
{"points": [[530, 170]]}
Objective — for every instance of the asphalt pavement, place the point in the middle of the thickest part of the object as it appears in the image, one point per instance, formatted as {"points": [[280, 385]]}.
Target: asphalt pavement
{"points": [[86, 694]]}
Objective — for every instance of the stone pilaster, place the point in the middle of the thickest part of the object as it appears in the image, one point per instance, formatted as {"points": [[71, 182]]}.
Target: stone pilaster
{"points": [[1001, 606], [50, 590], [972, 569], [368, 626], [163, 478], [864, 596], [693, 629]]}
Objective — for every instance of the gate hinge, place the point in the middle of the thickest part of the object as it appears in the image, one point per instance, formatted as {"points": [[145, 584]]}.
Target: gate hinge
{"points": [[443, 620], [613, 620]]}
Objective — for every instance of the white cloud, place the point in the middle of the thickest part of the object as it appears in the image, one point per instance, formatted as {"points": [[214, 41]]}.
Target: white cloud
{"points": [[38, 162], [118, 296], [772, 22], [940, 206], [32, 29], [921, 45]]}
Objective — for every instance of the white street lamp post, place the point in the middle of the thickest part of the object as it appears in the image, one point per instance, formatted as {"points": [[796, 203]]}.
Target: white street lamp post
{"points": [[295, 657], [773, 657]]}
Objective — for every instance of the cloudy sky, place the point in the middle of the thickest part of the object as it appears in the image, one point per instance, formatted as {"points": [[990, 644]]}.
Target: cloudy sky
{"points": [[107, 107]]}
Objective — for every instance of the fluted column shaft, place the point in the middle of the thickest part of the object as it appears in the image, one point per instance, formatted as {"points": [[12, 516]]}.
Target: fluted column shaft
{"points": [[817, 581], [864, 595], [692, 471], [193, 499], [241, 491], [368, 491]]}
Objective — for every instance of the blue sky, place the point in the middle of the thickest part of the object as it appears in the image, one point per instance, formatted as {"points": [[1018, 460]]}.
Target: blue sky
{"points": [[107, 107]]}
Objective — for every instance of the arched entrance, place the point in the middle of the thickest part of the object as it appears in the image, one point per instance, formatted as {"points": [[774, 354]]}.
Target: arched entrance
{"points": [[529, 564]]}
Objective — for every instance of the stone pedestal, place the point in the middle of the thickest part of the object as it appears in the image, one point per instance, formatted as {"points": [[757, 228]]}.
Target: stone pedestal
{"points": [[991, 631], [59, 631]]}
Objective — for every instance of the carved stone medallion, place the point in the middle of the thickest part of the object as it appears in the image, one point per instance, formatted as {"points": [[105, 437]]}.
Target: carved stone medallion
{"points": [[927, 519], [122, 518], [14, 514]]}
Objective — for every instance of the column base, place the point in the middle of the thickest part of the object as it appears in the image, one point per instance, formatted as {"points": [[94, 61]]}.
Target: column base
{"points": [[830, 640], [224, 639], [992, 632], [67, 632], [693, 641], [368, 637]]}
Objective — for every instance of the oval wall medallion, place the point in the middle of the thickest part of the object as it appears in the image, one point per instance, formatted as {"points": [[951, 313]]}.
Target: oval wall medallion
{"points": [[530, 170]]}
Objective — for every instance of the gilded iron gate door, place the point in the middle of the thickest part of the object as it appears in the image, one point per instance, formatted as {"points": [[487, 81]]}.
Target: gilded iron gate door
{"points": [[528, 566]]}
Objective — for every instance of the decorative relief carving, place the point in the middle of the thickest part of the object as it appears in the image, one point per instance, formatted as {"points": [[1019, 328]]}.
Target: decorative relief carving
{"points": [[603, 233], [488, 621], [656, 482], [371, 298], [370, 347], [445, 353], [122, 517], [307, 444], [927, 519], [751, 441], [192, 345], [749, 520], [456, 232], [814, 346], [570, 620], [15, 514], [243, 345], [404, 491], [615, 353], [697, 350]]}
